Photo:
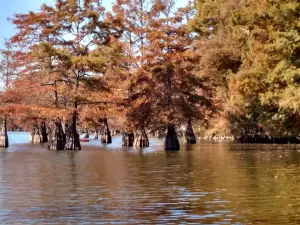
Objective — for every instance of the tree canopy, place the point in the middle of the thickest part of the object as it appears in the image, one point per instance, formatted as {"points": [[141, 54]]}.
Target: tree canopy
{"points": [[229, 67]]}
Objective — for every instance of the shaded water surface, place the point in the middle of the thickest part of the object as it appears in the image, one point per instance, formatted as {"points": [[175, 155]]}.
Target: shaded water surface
{"points": [[207, 183]]}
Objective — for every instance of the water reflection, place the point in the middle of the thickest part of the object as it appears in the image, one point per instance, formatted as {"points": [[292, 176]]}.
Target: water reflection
{"points": [[201, 184]]}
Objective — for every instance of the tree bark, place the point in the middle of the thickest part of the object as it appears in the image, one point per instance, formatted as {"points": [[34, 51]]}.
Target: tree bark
{"points": [[171, 141], [189, 134], [106, 135], [128, 139], [44, 137], [72, 136], [31, 135], [56, 136], [36, 135], [3, 135], [96, 136], [142, 139]]}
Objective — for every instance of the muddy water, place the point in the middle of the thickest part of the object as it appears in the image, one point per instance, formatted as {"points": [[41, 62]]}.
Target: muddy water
{"points": [[207, 183]]}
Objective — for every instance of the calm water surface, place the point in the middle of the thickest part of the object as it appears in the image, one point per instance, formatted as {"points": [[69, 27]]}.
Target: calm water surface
{"points": [[207, 183]]}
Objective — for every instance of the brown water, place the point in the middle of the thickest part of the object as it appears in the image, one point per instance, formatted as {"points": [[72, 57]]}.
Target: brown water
{"points": [[207, 183]]}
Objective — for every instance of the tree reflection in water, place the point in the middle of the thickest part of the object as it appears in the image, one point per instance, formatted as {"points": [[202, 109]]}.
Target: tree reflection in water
{"points": [[203, 183]]}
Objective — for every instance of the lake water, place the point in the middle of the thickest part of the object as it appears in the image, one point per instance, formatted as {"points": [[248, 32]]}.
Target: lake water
{"points": [[207, 183]]}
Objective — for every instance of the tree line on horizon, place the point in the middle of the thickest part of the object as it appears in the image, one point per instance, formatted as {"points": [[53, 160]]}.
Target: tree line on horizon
{"points": [[229, 68]]}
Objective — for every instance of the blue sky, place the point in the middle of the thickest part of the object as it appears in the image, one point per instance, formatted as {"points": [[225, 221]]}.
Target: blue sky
{"points": [[10, 7]]}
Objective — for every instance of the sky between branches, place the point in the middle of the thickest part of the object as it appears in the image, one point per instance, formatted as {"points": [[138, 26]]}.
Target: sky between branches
{"points": [[10, 7]]}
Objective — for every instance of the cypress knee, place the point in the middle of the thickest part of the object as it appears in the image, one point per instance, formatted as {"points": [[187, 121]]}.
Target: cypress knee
{"points": [[189, 134], [171, 141], [3, 135]]}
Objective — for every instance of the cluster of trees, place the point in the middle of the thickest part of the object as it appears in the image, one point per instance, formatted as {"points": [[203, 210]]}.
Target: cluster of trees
{"points": [[252, 51], [228, 67]]}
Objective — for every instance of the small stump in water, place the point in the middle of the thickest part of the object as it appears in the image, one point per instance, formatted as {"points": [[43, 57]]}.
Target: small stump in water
{"points": [[189, 134], [171, 141], [142, 140], [127, 139]]}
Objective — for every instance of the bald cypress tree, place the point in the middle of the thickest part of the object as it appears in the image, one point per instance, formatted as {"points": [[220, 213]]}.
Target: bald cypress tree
{"points": [[80, 42], [166, 92]]}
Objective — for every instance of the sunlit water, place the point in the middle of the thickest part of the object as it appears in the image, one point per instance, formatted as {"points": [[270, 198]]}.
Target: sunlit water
{"points": [[207, 183]]}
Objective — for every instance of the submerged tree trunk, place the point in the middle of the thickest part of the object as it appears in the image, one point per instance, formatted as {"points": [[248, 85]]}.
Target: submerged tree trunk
{"points": [[96, 136], [44, 137], [36, 135], [106, 135], [72, 136], [142, 139], [31, 135], [171, 141], [128, 139], [3, 135], [56, 137], [189, 134]]}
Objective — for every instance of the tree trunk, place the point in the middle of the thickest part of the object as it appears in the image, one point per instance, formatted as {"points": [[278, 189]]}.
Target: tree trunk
{"points": [[128, 139], [56, 137], [72, 136], [36, 135], [189, 134], [44, 137], [49, 132], [142, 139], [3, 135], [171, 141], [96, 136], [31, 135], [106, 135]]}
